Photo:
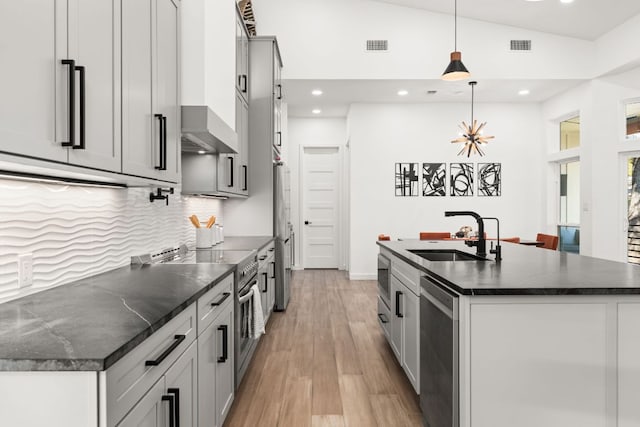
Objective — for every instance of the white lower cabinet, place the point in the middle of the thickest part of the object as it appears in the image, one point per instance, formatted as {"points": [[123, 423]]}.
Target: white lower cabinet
{"points": [[404, 335], [173, 396], [216, 369]]}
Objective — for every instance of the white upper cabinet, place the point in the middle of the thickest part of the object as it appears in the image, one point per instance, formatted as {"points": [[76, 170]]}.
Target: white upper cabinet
{"points": [[59, 49], [150, 126]]}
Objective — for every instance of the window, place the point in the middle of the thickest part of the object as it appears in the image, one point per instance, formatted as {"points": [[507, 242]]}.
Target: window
{"points": [[632, 112], [570, 133]]}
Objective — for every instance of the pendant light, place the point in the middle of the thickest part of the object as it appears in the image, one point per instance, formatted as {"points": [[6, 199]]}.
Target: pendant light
{"points": [[456, 69], [471, 135]]}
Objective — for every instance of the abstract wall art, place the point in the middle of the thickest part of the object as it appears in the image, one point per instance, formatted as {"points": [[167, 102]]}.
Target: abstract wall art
{"points": [[489, 179], [434, 179], [461, 182], [406, 178]]}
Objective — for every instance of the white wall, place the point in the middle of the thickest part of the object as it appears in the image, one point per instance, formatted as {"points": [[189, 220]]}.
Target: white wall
{"points": [[75, 232], [600, 104], [316, 133], [419, 43], [381, 135]]}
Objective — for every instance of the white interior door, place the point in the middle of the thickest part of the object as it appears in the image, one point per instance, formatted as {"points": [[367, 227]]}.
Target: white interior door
{"points": [[320, 206]]}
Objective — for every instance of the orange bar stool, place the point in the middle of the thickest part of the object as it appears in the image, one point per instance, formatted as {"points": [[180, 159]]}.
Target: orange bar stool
{"points": [[549, 241]]}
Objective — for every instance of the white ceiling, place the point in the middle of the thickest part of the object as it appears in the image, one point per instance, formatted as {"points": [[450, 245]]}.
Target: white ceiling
{"points": [[338, 94], [585, 19]]}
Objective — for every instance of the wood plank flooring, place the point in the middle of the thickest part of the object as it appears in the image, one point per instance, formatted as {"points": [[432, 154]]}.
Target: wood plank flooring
{"points": [[325, 362]]}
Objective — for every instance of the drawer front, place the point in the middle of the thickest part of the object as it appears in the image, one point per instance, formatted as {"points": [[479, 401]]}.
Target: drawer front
{"points": [[408, 275], [214, 301], [130, 378], [384, 317]]}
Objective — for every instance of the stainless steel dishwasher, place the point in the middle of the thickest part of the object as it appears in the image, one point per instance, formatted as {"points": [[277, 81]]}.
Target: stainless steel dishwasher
{"points": [[439, 388]]}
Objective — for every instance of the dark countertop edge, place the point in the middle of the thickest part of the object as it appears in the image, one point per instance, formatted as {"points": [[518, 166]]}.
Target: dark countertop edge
{"points": [[511, 291], [135, 341], [97, 365]]}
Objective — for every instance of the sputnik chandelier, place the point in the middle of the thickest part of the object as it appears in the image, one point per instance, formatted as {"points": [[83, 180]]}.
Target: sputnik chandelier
{"points": [[472, 133]]}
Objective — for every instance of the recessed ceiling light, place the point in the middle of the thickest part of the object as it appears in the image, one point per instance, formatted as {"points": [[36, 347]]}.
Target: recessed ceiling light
{"points": [[316, 92], [523, 92], [403, 92], [566, 1], [316, 111], [533, 0], [201, 152]]}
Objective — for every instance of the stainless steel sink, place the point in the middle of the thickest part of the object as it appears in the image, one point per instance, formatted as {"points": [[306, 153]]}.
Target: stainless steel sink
{"points": [[445, 255]]}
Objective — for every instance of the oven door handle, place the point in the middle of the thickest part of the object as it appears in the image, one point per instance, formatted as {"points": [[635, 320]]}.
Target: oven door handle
{"points": [[244, 298]]}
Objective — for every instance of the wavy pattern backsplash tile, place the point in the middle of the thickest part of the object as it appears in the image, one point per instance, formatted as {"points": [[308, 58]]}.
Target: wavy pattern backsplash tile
{"points": [[75, 232]]}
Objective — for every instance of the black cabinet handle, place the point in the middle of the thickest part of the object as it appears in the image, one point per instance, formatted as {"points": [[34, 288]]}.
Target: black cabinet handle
{"points": [[279, 91], [263, 257], [271, 249], [266, 284], [172, 408], [160, 140], [307, 222], [164, 143], [230, 171], [279, 142], [178, 339], [221, 300], [246, 175], [72, 102], [81, 146], [398, 295], [383, 318], [244, 83], [273, 265], [225, 348], [176, 393]]}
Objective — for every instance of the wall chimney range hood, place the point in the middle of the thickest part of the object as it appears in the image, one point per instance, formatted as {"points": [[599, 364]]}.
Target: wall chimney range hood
{"points": [[204, 130]]}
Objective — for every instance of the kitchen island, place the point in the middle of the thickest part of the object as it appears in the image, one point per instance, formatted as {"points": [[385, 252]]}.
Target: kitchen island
{"points": [[543, 338]]}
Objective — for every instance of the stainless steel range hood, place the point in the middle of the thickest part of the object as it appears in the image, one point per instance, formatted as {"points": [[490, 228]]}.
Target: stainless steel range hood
{"points": [[202, 129]]}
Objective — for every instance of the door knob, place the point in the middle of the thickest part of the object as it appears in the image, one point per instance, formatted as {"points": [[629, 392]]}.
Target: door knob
{"points": [[307, 222]]}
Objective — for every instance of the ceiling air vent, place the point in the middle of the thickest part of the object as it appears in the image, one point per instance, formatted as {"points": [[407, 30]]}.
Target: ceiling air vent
{"points": [[377, 45], [520, 45]]}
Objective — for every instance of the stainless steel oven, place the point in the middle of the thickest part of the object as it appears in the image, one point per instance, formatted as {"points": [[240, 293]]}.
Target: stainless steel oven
{"points": [[439, 355], [384, 272], [245, 344]]}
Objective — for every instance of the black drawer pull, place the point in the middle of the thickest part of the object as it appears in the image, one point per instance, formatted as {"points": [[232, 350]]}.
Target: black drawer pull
{"points": [[172, 408], [246, 177], [263, 257], [221, 300], [272, 249], [225, 347], [230, 171], [176, 343], [266, 283], [160, 141], [383, 318], [398, 313]]}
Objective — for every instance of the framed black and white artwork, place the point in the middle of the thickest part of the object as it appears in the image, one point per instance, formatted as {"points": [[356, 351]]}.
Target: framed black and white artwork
{"points": [[434, 179], [406, 179], [489, 179], [461, 181]]}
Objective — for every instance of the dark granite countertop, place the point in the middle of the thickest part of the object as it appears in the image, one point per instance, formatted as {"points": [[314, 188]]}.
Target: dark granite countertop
{"points": [[90, 324], [235, 243], [524, 270]]}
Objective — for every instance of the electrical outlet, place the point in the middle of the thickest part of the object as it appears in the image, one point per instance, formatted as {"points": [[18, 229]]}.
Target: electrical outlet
{"points": [[25, 270]]}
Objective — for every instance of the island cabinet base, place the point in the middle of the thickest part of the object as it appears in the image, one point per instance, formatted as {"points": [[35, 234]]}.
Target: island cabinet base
{"points": [[553, 361]]}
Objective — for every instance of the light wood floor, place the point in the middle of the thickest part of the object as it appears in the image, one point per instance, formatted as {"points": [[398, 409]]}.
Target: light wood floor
{"points": [[325, 362]]}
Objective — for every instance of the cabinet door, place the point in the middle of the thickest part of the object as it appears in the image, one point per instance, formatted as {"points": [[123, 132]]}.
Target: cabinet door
{"points": [[150, 410], [139, 128], [207, 362], [397, 317], [168, 101], [271, 299], [242, 128], [227, 173], [242, 59], [182, 381], [411, 337], [94, 43], [33, 88], [225, 385]]}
